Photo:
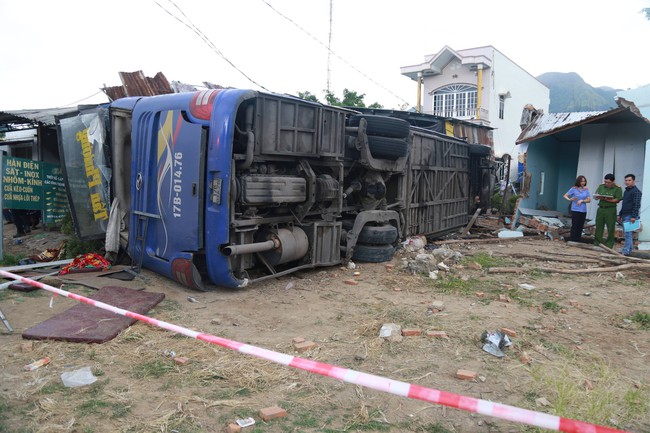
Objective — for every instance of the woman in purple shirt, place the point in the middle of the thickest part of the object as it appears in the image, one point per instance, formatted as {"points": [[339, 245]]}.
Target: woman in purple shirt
{"points": [[579, 196]]}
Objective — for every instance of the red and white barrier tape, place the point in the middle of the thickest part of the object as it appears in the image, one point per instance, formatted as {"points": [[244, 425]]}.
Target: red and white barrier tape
{"points": [[484, 407]]}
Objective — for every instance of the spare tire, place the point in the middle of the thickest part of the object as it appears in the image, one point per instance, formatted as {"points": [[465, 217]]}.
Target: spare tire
{"points": [[383, 126], [374, 234], [373, 253], [388, 148]]}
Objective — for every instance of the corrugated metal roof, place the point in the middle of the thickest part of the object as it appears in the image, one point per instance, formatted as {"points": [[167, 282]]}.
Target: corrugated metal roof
{"points": [[136, 84], [22, 119], [552, 123]]}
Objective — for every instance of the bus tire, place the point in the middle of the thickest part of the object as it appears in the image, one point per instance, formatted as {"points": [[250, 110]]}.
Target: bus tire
{"points": [[373, 253], [374, 234], [383, 126], [388, 148]]}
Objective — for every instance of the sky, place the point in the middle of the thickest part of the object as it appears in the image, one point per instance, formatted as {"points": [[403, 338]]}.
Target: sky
{"points": [[61, 53]]}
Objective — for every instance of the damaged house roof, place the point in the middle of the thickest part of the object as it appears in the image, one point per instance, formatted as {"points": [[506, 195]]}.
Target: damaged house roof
{"points": [[542, 125], [24, 119]]}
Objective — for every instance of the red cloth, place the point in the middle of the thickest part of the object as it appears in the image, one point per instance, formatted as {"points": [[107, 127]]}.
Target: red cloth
{"points": [[86, 262]]}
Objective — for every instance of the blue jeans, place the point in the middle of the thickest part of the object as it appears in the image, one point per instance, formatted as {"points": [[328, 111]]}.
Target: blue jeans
{"points": [[629, 238]]}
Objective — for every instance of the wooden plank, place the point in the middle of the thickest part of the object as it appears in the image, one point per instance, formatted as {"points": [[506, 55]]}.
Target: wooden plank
{"points": [[471, 222], [36, 265]]}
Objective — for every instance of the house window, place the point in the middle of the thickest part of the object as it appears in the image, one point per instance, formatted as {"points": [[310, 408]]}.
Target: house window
{"points": [[457, 100], [502, 105]]}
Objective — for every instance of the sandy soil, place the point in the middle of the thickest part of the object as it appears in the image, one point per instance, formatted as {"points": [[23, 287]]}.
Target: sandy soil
{"points": [[579, 351]]}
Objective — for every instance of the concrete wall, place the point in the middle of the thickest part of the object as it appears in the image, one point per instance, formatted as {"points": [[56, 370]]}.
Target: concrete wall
{"points": [[504, 76], [611, 148], [559, 173], [508, 78]]}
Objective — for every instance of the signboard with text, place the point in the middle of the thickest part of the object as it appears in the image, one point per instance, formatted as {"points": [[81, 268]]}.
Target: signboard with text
{"points": [[34, 185], [22, 184]]}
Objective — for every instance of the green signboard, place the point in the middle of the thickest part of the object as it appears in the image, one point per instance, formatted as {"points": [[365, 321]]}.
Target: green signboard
{"points": [[22, 184], [54, 195], [34, 185]]}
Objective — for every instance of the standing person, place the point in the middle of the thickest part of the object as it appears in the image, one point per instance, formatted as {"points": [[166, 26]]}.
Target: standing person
{"points": [[20, 220], [608, 194], [629, 211], [579, 196]]}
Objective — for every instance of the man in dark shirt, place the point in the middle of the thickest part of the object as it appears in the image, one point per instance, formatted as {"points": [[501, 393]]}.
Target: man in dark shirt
{"points": [[629, 211], [608, 195]]}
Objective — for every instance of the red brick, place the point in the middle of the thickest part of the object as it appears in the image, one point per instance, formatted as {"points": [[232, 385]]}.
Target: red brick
{"points": [[233, 428], [304, 346], [437, 334], [181, 360], [389, 267], [466, 374], [269, 413], [509, 332], [411, 332], [351, 282], [504, 298], [480, 294], [295, 340], [524, 358]]}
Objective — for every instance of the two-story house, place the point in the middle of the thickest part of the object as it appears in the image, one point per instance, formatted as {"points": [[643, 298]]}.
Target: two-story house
{"points": [[480, 85]]}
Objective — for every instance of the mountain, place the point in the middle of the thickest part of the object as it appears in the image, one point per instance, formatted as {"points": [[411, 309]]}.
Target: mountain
{"points": [[569, 92]]}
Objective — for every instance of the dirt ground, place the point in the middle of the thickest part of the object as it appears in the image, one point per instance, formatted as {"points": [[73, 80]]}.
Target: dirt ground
{"points": [[581, 347]]}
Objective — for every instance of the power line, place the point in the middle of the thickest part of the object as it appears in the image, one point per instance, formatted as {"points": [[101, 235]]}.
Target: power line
{"points": [[81, 100], [330, 50], [190, 25]]}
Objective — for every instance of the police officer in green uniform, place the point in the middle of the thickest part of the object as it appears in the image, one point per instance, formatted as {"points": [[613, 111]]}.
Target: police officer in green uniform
{"points": [[608, 194]]}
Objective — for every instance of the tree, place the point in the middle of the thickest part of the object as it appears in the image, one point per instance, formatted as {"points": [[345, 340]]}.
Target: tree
{"points": [[308, 96], [646, 11], [350, 99]]}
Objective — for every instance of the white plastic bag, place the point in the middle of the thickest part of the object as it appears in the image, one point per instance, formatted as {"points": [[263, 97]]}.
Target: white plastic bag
{"points": [[81, 377]]}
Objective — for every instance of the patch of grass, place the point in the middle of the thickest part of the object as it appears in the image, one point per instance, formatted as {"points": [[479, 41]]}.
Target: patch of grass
{"points": [[91, 407], [551, 305], [305, 419], [11, 259], [486, 260], [154, 369], [52, 388], [433, 428], [608, 396], [457, 285], [20, 296], [641, 318]]}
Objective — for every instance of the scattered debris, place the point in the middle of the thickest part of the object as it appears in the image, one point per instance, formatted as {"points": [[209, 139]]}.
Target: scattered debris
{"points": [[274, 412], [436, 307], [245, 422], [304, 346], [192, 299], [437, 334], [391, 332], [542, 401], [526, 286], [83, 376], [36, 364], [466, 374], [495, 342], [181, 360], [510, 234]]}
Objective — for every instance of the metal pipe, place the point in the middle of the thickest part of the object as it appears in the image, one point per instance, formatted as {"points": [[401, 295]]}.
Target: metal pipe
{"points": [[479, 85], [234, 250], [419, 107]]}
